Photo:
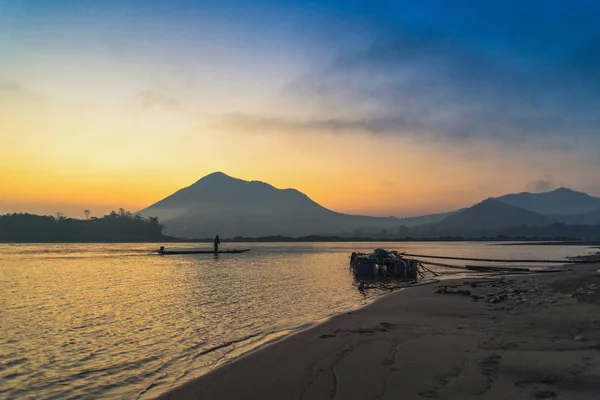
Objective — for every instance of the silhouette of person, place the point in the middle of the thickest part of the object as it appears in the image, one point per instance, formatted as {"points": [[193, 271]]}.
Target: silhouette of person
{"points": [[216, 243]]}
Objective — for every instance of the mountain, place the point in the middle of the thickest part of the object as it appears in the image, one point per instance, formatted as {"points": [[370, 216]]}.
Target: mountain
{"points": [[424, 219], [561, 202], [488, 216], [220, 204], [230, 207], [589, 218]]}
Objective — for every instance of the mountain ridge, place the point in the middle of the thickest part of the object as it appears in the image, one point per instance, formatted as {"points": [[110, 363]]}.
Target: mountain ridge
{"points": [[589, 218], [220, 204], [561, 201], [487, 216]]}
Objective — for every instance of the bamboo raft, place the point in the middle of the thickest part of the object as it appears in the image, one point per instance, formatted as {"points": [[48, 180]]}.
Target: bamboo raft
{"points": [[407, 266], [382, 263]]}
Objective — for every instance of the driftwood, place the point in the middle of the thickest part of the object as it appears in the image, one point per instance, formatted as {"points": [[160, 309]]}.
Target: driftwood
{"points": [[445, 290], [491, 270], [441, 264], [427, 269]]}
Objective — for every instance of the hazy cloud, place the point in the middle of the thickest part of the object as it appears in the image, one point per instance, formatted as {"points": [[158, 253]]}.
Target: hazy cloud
{"points": [[15, 91], [541, 185], [150, 99], [592, 190], [10, 87], [254, 123], [505, 71]]}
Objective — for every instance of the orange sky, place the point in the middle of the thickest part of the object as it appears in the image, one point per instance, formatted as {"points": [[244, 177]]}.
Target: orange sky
{"points": [[72, 158]]}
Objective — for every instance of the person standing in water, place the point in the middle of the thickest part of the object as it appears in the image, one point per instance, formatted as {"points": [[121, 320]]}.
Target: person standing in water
{"points": [[216, 243]]}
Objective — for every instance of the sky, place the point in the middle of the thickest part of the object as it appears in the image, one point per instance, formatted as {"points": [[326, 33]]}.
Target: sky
{"points": [[374, 107]]}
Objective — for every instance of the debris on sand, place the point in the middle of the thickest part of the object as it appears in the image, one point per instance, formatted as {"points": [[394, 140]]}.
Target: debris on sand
{"points": [[445, 290], [587, 258], [511, 293]]}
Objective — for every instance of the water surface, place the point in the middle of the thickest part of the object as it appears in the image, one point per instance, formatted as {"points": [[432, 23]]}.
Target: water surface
{"points": [[110, 321]]}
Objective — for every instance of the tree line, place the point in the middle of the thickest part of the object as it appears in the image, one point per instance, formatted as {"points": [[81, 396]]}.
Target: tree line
{"points": [[116, 226], [556, 230]]}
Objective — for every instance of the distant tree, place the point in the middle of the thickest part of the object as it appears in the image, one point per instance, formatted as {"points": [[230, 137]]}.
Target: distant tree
{"points": [[87, 214], [403, 231], [60, 216], [122, 212]]}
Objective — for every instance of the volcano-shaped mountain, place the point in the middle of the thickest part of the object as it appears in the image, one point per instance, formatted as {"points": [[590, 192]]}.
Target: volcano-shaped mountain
{"points": [[230, 207]]}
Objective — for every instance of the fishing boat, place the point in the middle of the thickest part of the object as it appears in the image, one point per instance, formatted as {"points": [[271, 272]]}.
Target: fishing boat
{"points": [[164, 252], [385, 264]]}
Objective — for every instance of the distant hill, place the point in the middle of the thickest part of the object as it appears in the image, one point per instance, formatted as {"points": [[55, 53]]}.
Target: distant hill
{"points": [[220, 204], [589, 218], [487, 216], [561, 202]]}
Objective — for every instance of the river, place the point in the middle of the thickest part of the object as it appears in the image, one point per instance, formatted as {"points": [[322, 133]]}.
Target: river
{"points": [[111, 321]]}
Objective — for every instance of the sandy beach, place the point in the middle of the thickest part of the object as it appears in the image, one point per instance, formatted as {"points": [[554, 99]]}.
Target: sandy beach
{"points": [[520, 337]]}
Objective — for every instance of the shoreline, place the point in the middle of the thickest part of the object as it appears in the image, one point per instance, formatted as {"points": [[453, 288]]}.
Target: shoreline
{"points": [[285, 334], [361, 353]]}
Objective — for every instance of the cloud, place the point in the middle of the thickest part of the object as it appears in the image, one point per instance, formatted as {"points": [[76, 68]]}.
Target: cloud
{"points": [[592, 190], [255, 123], [496, 71], [150, 99], [10, 87], [14, 91], [541, 185]]}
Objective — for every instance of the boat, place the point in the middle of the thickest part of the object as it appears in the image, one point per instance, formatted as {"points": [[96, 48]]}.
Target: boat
{"points": [[164, 252], [385, 264]]}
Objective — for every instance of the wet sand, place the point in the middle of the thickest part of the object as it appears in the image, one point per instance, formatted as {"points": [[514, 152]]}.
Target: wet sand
{"points": [[520, 337]]}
